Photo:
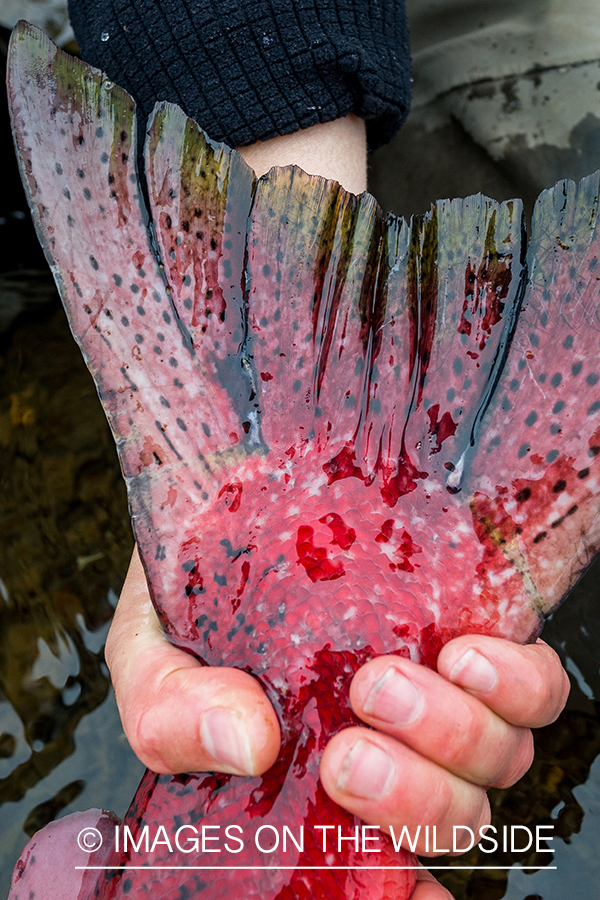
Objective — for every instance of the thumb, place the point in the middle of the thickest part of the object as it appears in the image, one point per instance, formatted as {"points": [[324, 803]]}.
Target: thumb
{"points": [[178, 715]]}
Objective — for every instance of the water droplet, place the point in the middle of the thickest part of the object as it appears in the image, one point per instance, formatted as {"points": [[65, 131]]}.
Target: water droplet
{"points": [[104, 36], [454, 478]]}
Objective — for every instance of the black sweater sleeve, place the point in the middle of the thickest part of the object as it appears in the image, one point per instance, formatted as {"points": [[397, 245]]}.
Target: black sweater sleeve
{"points": [[248, 70]]}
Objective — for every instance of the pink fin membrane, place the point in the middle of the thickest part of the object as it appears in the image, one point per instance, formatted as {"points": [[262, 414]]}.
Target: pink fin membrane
{"points": [[54, 864], [342, 435]]}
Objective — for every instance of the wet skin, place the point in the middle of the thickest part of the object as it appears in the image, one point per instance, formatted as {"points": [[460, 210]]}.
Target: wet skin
{"points": [[504, 532]]}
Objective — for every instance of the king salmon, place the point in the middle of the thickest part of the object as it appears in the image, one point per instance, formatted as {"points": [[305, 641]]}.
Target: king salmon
{"points": [[342, 434]]}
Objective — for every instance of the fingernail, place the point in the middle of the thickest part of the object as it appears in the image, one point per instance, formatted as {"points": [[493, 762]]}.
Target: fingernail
{"points": [[394, 698], [366, 772], [225, 737], [474, 672]]}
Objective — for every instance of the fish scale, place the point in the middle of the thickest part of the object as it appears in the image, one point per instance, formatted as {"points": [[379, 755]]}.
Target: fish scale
{"points": [[335, 469]]}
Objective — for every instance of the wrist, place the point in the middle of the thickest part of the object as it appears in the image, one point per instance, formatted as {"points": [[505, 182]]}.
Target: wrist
{"points": [[336, 150]]}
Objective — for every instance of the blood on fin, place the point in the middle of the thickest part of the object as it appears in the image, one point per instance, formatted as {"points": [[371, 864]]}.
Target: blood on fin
{"points": [[342, 435]]}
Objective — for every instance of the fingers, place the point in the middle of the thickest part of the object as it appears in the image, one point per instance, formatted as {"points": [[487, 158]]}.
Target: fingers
{"points": [[525, 685], [178, 715], [386, 783], [440, 721], [440, 736]]}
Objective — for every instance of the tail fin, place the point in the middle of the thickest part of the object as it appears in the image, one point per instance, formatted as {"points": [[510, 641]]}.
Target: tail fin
{"points": [[535, 474], [267, 317], [268, 314], [452, 292], [76, 138], [75, 133]]}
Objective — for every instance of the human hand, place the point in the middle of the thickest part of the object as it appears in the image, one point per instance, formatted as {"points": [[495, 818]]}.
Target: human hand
{"points": [[468, 730], [466, 733], [178, 715], [442, 738]]}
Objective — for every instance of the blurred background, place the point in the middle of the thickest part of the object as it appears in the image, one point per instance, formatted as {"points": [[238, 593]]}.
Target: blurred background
{"points": [[507, 101]]}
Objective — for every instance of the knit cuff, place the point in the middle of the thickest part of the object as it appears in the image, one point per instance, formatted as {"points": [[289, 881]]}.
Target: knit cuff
{"points": [[249, 70]]}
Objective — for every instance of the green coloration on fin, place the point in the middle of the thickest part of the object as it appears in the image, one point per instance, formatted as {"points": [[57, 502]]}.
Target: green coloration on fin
{"points": [[342, 436]]}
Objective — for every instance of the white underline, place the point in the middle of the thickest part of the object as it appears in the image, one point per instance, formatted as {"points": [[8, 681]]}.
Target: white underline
{"points": [[311, 868]]}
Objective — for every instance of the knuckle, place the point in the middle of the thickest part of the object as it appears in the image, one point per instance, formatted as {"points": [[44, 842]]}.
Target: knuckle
{"points": [[549, 687], [518, 760], [142, 734], [465, 744], [541, 698], [466, 804], [144, 738], [565, 690], [560, 695], [439, 804], [485, 811], [548, 696], [478, 813]]}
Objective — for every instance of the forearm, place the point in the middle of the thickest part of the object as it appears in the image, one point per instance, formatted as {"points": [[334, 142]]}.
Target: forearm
{"points": [[335, 150]]}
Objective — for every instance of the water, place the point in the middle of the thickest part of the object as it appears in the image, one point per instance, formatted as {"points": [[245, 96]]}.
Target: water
{"points": [[65, 540]]}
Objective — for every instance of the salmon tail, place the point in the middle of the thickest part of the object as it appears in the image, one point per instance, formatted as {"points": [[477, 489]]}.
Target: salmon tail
{"points": [[131, 290], [342, 435], [541, 436], [75, 133], [164, 312]]}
